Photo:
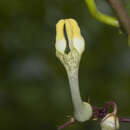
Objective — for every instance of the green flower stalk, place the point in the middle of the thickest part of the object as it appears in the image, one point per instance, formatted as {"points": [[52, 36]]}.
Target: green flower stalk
{"points": [[69, 48], [100, 16]]}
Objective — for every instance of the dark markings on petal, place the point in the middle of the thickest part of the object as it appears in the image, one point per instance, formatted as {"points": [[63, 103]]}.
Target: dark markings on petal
{"points": [[67, 49]]}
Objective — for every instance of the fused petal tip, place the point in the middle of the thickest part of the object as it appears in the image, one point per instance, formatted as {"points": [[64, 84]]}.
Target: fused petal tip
{"points": [[68, 37], [59, 30]]}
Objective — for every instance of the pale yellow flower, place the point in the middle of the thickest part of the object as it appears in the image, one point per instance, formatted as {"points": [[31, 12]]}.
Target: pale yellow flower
{"points": [[69, 48]]}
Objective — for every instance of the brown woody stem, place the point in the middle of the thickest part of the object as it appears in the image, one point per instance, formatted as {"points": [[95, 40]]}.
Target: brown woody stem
{"points": [[120, 11]]}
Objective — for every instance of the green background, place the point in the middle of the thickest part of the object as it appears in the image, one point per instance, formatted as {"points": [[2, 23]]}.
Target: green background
{"points": [[34, 89]]}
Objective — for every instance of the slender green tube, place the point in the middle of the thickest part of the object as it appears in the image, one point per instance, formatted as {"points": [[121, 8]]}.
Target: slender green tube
{"points": [[74, 87], [82, 110], [100, 16]]}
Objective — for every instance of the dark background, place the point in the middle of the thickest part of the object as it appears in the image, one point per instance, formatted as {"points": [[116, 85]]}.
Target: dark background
{"points": [[34, 90]]}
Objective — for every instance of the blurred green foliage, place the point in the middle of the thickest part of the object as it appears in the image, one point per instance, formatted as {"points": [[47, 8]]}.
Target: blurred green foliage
{"points": [[34, 91]]}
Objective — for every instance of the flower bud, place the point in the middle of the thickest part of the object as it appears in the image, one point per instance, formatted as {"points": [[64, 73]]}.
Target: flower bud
{"points": [[110, 122]]}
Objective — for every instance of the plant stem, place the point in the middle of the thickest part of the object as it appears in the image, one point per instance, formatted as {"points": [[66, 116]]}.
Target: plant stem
{"points": [[100, 16], [123, 17], [120, 11]]}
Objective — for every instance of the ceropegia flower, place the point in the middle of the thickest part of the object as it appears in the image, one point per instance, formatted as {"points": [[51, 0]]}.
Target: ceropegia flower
{"points": [[69, 48]]}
